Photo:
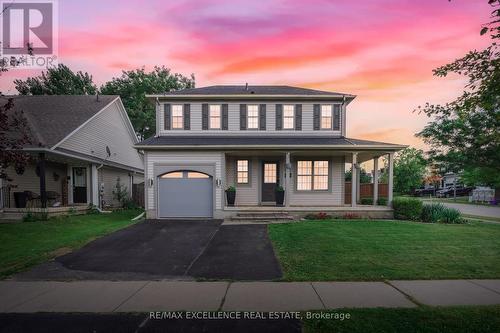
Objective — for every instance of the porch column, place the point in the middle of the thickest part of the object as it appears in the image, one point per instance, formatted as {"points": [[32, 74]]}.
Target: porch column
{"points": [[358, 184], [353, 179], [375, 180], [288, 172], [391, 181], [43, 188], [94, 180]]}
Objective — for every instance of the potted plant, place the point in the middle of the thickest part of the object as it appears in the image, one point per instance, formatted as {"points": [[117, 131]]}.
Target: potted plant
{"points": [[280, 195], [231, 195]]}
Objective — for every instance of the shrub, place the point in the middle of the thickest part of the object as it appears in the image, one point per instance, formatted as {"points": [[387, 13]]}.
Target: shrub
{"points": [[367, 201], [432, 212], [382, 201], [407, 209], [438, 213]]}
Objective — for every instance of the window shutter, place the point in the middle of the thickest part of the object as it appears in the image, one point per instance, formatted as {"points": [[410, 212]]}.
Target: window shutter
{"points": [[262, 117], [279, 117], [204, 116], [187, 116], [225, 115], [316, 119], [166, 116], [336, 117], [243, 117], [298, 117]]}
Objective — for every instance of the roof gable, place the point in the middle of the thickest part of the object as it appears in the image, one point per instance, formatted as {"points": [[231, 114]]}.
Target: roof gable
{"points": [[51, 118]]}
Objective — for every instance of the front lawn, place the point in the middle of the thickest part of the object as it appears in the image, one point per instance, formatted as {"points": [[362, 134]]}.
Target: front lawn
{"points": [[29, 243], [378, 250], [466, 319]]}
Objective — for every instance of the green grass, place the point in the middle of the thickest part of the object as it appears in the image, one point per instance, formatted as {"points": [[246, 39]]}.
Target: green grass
{"points": [[467, 319], [379, 250], [25, 244]]}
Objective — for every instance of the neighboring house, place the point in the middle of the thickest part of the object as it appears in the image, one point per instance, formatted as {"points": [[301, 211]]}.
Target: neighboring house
{"points": [[81, 146], [449, 179], [255, 138]]}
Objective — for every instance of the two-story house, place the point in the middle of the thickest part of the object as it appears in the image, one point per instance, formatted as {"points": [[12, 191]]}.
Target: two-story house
{"points": [[255, 138]]}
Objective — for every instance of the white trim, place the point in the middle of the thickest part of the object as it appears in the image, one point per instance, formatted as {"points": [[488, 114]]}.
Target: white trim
{"points": [[80, 158], [266, 147], [252, 96]]}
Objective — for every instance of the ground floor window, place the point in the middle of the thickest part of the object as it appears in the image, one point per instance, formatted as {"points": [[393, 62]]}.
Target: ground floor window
{"points": [[312, 175], [242, 171]]}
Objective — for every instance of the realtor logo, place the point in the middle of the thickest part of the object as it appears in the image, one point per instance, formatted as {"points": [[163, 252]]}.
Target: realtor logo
{"points": [[29, 32]]}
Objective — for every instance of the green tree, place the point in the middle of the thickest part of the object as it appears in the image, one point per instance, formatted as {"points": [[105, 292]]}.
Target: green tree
{"points": [[464, 134], [364, 177], [132, 87], [409, 169], [60, 80]]}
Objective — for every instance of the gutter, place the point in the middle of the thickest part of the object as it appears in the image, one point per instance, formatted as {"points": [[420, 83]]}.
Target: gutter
{"points": [[264, 147]]}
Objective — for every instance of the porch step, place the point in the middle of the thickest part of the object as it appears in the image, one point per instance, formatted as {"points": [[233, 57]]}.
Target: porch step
{"points": [[268, 217]]}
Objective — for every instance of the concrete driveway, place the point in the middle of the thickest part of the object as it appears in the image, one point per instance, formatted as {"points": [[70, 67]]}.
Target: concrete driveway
{"points": [[181, 250]]}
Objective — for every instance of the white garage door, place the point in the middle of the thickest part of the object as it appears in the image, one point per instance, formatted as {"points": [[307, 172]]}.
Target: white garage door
{"points": [[185, 193]]}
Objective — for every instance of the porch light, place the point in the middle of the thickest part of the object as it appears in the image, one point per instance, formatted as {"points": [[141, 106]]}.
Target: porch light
{"points": [[150, 182]]}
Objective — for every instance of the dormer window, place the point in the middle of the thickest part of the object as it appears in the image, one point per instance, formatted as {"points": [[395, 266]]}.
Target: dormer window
{"points": [[288, 116], [177, 117], [215, 116], [326, 116]]}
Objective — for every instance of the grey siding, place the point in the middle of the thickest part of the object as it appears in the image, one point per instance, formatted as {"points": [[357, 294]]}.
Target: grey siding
{"points": [[29, 181], [246, 194], [234, 120], [333, 197], [109, 128], [109, 177], [181, 159]]}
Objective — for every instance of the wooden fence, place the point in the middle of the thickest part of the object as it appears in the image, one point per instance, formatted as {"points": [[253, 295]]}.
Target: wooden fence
{"points": [[366, 191], [138, 194]]}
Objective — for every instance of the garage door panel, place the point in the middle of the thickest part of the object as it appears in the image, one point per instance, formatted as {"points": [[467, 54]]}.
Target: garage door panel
{"points": [[185, 197]]}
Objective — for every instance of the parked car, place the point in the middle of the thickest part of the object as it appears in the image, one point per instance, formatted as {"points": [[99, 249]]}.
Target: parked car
{"points": [[424, 191], [460, 191]]}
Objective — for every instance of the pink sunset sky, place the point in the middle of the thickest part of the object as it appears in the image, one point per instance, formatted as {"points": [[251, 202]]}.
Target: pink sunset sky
{"points": [[383, 51]]}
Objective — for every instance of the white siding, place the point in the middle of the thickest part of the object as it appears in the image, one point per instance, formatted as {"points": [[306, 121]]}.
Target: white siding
{"points": [[234, 120], [109, 128], [182, 158]]}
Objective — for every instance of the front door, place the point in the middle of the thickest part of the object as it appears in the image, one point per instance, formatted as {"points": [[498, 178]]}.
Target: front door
{"points": [[270, 180], [79, 185]]}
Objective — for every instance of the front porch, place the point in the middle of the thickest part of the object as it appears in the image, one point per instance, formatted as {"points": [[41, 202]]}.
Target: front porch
{"points": [[312, 181]]}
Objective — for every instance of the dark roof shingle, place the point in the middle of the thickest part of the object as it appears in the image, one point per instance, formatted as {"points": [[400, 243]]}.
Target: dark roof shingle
{"points": [[257, 90], [51, 118], [257, 141]]}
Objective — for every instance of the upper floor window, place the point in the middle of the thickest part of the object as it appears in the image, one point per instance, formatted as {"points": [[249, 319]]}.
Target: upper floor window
{"points": [[253, 117], [215, 116], [326, 117], [288, 116], [242, 171], [312, 175], [177, 117]]}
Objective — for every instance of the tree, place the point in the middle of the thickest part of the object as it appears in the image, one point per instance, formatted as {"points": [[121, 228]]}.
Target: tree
{"points": [[364, 177], [464, 134], [60, 80], [409, 170], [132, 87], [14, 134]]}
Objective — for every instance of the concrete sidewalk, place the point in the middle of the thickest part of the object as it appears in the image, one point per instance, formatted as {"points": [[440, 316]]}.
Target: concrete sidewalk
{"points": [[140, 296]]}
